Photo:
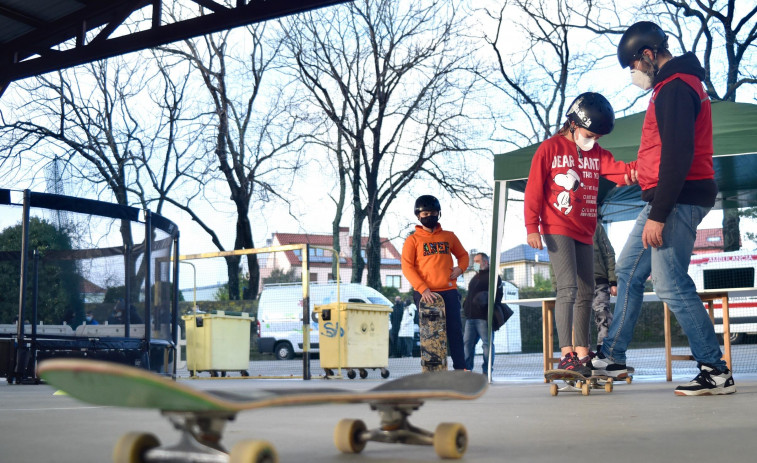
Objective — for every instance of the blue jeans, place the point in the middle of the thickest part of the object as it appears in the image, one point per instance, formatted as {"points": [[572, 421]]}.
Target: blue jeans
{"points": [[454, 325], [668, 266], [476, 329]]}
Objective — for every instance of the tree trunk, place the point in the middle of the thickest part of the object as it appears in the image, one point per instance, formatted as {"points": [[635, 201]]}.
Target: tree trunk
{"points": [[373, 252], [731, 232], [357, 260]]}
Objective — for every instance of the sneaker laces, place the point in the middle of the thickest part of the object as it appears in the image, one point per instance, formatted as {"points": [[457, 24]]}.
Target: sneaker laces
{"points": [[704, 378]]}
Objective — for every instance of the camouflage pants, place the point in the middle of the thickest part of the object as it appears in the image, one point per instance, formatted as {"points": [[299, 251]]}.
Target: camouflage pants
{"points": [[601, 308]]}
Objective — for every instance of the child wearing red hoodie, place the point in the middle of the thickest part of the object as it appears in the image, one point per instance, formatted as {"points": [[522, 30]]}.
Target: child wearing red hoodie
{"points": [[428, 266], [561, 206]]}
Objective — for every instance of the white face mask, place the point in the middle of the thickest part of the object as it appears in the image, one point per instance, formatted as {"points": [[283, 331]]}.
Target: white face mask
{"points": [[641, 79], [585, 144]]}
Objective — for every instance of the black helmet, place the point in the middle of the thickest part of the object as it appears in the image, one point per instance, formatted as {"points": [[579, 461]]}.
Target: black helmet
{"points": [[641, 35], [427, 203], [593, 112]]}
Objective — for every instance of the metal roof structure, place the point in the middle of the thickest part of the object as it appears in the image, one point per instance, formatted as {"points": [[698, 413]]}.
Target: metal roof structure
{"points": [[39, 36]]}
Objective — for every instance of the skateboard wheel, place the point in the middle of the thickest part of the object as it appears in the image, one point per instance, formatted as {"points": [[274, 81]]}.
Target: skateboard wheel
{"points": [[450, 440], [351, 374], [131, 447], [363, 373], [628, 379], [553, 389], [608, 386], [347, 436], [384, 373], [253, 451], [585, 390]]}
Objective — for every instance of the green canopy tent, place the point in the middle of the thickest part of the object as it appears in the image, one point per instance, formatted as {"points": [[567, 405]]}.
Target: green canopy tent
{"points": [[735, 163]]}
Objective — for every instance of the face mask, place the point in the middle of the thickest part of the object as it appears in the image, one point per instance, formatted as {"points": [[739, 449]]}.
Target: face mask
{"points": [[585, 144], [476, 266], [641, 79], [89, 318], [430, 221]]}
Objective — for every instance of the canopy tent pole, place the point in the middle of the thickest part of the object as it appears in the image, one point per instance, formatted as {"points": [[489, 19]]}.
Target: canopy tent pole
{"points": [[499, 210]]}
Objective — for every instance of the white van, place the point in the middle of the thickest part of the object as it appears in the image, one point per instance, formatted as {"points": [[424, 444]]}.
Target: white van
{"points": [[279, 317], [735, 269]]}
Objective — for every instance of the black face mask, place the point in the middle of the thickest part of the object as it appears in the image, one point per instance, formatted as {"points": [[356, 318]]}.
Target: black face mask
{"points": [[430, 221]]}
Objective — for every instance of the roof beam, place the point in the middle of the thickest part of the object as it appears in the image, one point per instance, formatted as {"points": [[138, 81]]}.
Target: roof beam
{"points": [[21, 62]]}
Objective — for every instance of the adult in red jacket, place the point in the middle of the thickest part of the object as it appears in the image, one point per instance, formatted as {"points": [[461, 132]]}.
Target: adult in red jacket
{"points": [[561, 206], [677, 181]]}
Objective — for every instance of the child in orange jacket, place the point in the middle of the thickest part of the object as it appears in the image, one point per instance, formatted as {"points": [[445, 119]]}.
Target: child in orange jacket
{"points": [[428, 266]]}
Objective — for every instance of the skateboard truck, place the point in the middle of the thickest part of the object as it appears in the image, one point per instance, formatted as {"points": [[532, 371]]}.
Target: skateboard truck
{"points": [[200, 439], [450, 440]]}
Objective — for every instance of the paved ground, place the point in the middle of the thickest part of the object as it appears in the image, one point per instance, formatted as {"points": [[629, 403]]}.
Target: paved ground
{"points": [[515, 421]]}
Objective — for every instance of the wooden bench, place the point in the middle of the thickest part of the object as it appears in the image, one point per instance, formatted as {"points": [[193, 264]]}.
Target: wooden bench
{"points": [[708, 297]]}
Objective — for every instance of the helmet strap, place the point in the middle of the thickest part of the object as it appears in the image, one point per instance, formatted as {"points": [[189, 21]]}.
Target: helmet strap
{"points": [[652, 62]]}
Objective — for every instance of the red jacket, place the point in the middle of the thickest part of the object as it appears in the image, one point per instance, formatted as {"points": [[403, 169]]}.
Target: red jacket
{"points": [[651, 145], [561, 193]]}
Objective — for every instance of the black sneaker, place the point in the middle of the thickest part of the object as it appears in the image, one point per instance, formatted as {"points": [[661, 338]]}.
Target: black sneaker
{"points": [[709, 381], [604, 366], [570, 362], [586, 362]]}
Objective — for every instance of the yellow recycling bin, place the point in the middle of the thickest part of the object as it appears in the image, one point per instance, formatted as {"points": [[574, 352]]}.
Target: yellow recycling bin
{"points": [[353, 336], [218, 343]]}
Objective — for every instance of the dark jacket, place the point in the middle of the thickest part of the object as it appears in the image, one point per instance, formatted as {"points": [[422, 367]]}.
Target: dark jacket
{"points": [[604, 258], [480, 283], [396, 317]]}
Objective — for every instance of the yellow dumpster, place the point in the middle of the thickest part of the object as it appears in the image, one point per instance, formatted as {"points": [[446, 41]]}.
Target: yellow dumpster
{"points": [[218, 343], [353, 336]]}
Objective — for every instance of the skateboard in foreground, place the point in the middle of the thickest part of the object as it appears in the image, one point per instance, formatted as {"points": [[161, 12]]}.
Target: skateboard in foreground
{"points": [[200, 416], [576, 382], [433, 333]]}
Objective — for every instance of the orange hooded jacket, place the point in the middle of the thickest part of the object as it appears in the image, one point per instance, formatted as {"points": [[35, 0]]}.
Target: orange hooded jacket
{"points": [[427, 259]]}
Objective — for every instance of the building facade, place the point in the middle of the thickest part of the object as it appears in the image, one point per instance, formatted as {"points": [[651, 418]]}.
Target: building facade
{"points": [[320, 260]]}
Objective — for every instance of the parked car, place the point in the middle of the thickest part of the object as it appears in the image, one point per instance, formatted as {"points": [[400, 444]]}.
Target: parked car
{"points": [[279, 319]]}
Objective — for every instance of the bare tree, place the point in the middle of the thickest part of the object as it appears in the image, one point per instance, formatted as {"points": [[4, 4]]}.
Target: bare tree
{"points": [[394, 79], [112, 124], [539, 75], [255, 140]]}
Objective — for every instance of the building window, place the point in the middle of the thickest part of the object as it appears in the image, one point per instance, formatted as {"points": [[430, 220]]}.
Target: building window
{"points": [[314, 277], [393, 281], [508, 274]]}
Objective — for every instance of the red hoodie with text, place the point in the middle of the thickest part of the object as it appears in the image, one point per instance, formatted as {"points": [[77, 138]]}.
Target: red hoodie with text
{"points": [[562, 188]]}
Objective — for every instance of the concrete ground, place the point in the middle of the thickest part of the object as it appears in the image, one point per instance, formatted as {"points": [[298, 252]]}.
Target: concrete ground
{"points": [[515, 421]]}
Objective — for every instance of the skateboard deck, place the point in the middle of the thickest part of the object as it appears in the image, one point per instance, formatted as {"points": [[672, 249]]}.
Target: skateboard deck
{"points": [[433, 333], [576, 382], [201, 415]]}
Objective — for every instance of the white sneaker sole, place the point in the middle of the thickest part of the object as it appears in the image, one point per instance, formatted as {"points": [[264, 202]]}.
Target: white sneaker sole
{"points": [[616, 374], [715, 391]]}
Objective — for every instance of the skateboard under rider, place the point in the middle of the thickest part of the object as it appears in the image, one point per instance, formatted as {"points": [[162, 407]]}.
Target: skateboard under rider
{"points": [[576, 382]]}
